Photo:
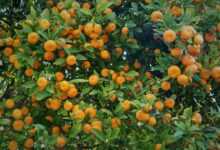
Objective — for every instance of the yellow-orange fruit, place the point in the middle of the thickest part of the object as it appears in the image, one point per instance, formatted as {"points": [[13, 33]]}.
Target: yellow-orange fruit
{"points": [[71, 60], [44, 24], [174, 71], [65, 15], [187, 60], [50, 46], [59, 76], [64, 86], [120, 80], [169, 103], [115, 122], [169, 36], [142, 116], [205, 74], [176, 52], [197, 118], [33, 38], [110, 27], [124, 30], [105, 72], [216, 72], [176, 11], [183, 80], [72, 92], [126, 105], [54, 104], [60, 142], [97, 125], [159, 105], [68, 105], [8, 51], [9, 103], [12, 145], [28, 120], [91, 112], [105, 55], [29, 72], [165, 85], [49, 56], [198, 39], [86, 64], [150, 97], [42, 82], [156, 16], [167, 118], [93, 80], [87, 128], [55, 130], [18, 125], [78, 115], [152, 121], [29, 143], [158, 147], [17, 114], [194, 50], [187, 32]]}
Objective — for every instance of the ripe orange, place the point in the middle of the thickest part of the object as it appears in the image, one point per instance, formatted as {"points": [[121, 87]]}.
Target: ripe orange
{"points": [[124, 30], [176, 11], [120, 80], [169, 36], [50, 46], [105, 72], [9, 103], [72, 92], [111, 27], [64, 86], [142, 116], [78, 115], [150, 97], [28, 120], [176, 52], [17, 114], [86, 64], [216, 72], [42, 82], [91, 112], [126, 105], [33, 38], [158, 147], [96, 124], [174, 71], [55, 130], [93, 80], [210, 37], [165, 85], [197, 118], [156, 16], [152, 121], [49, 56], [87, 128], [159, 105], [187, 32], [198, 39], [205, 74], [71, 60], [18, 125], [105, 55], [59, 76], [68, 106], [115, 122], [12, 145], [8, 51], [65, 15], [44, 24], [183, 80], [194, 50], [60, 142], [54, 104], [29, 143], [29, 72], [169, 103]]}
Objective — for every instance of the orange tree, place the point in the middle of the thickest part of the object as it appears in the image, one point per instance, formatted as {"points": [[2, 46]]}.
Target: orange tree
{"points": [[112, 74]]}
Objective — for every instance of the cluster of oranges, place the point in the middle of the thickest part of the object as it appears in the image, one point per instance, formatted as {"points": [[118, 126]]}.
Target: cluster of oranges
{"points": [[82, 72]]}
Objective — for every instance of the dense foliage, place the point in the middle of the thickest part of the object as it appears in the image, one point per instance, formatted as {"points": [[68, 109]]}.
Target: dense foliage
{"points": [[107, 74]]}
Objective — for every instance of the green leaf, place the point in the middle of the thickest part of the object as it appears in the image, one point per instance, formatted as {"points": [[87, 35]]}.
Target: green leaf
{"points": [[59, 62], [187, 113], [86, 12], [75, 130], [79, 81], [103, 6], [42, 95], [100, 136], [81, 57]]}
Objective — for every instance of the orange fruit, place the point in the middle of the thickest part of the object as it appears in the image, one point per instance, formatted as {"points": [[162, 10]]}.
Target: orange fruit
{"points": [[150, 97], [97, 125], [124, 30], [12, 145], [50, 46], [169, 36], [33, 38], [55, 130], [91, 112], [64, 86], [198, 39], [17, 114], [120, 80], [18, 125], [59, 76], [166, 118], [93, 80], [66, 128], [54, 104], [197, 118], [158, 147], [72, 92], [169, 103], [187, 60], [210, 37], [44, 24], [29, 72], [187, 32], [71, 60], [111, 27], [28, 120], [183, 80], [60, 142], [176, 52], [29, 143], [86, 5], [142, 116], [126, 105], [86, 64], [105, 72], [176, 11], [87, 128], [165, 85], [159, 105], [65, 15], [8, 51], [9, 103], [42, 82], [152, 121], [216, 72], [49, 56], [115, 122], [205, 74], [105, 55], [78, 115], [156, 16], [68, 106], [194, 50], [174, 71]]}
